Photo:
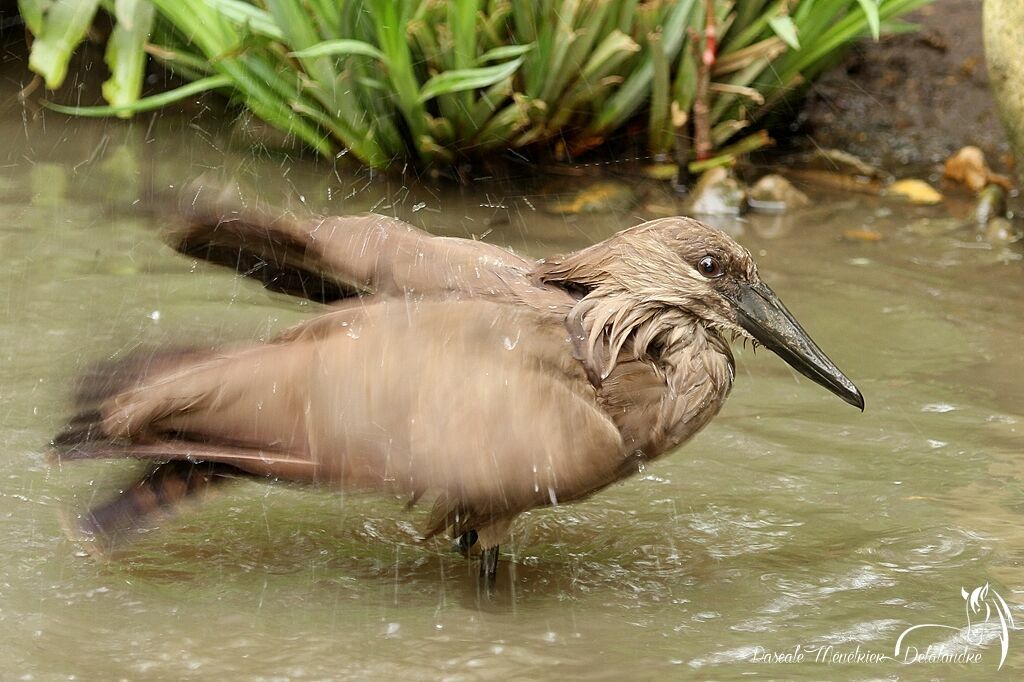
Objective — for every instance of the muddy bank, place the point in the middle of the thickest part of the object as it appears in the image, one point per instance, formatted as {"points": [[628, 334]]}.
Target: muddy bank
{"points": [[911, 99]]}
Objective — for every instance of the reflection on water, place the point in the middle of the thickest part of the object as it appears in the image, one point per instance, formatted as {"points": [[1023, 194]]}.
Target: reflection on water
{"points": [[792, 520]]}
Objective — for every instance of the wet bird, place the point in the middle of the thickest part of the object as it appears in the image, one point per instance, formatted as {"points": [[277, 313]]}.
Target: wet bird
{"points": [[493, 383]]}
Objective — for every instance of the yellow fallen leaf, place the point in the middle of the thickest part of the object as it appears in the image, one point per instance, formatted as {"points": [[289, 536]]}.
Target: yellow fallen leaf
{"points": [[917, 191], [601, 197], [863, 235]]}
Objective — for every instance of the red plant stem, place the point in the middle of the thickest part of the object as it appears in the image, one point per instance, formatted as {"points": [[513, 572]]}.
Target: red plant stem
{"points": [[701, 109]]}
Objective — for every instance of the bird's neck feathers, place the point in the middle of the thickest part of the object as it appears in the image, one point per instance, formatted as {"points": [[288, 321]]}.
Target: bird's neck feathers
{"points": [[607, 325], [621, 309]]}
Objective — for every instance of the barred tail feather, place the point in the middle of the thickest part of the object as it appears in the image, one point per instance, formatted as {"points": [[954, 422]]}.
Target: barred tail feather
{"points": [[160, 494]]}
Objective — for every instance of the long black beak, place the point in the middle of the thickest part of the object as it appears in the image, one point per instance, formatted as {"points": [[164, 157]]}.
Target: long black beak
{"points": [[762, 314]]}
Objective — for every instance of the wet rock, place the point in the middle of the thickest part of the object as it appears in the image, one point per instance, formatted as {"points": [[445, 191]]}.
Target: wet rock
{"points": [[1003, 231], [968, 167], [915, 191], [844, 163], [717, 193], [991, 204], [775, 194], [1004, 35], [600, 197]]}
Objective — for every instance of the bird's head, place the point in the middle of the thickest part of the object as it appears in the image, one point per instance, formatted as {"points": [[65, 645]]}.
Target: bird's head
{"points": [[681, 269]]}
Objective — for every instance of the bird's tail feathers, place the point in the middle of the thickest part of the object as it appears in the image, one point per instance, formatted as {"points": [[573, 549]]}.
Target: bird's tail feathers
{"points": [[449, 513], [162, 492]]}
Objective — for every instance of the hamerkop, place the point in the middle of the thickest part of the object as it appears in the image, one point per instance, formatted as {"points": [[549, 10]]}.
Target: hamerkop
{"points": [[494, 383]]}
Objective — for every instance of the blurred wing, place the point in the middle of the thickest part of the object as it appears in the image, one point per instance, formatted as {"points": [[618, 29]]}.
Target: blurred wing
{"points": [[479, 401], [326, 259]]}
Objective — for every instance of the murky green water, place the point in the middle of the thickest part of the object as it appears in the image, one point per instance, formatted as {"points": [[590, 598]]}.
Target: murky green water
{"points": [[792, 521]]}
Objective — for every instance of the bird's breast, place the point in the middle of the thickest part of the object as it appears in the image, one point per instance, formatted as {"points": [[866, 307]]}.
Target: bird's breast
{"points": [[658, 406]]}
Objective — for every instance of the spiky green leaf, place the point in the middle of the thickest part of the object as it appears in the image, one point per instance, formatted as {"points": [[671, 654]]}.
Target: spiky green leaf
{"points": [[870, 8], [459, 80], [148, 103], [63, 27], [126, 53], [786, 30], [342, 47]]}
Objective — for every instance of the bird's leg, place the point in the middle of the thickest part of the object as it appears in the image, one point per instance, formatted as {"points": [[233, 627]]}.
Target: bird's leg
{"points": [[490, 537], [489, 566], [488, 557], [465, 542]]}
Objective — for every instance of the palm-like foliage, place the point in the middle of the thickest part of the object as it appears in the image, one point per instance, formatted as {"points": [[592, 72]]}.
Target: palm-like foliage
{"points": [[394, 80]]}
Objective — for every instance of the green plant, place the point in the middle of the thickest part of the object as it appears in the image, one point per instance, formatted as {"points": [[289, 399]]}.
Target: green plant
{"points": [[393, 80]]}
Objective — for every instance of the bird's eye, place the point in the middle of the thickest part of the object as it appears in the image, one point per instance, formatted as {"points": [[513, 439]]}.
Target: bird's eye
{"points": [[710, 267]]}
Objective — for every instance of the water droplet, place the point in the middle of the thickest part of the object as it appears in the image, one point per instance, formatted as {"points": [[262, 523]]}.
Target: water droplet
{"points": [[155, 316], [510, 344]]}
